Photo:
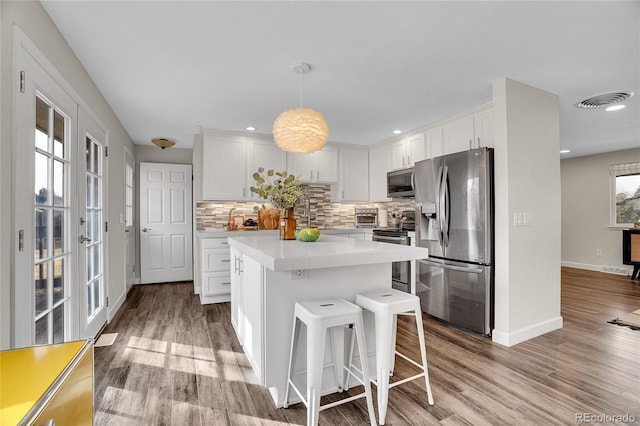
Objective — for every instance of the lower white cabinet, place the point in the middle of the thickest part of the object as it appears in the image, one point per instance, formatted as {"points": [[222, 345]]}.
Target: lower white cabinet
{"points": [[215, 275]]}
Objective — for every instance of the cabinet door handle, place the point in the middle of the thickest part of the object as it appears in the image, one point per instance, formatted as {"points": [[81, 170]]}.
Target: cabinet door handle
{"points": [[311, 175], [408, 160], [478, 141], [225, 260], [226, 283], [470, 143], [318, 175]]}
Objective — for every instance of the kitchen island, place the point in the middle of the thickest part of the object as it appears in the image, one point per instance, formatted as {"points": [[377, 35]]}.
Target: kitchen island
{"points": [[269, 275]]}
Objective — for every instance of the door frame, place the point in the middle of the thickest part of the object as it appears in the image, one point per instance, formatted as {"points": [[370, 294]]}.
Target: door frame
{"points": [[128, 286]]}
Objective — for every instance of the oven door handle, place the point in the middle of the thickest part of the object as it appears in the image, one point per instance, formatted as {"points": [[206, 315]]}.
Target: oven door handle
{"points": [[392, 240], [451, 267]]}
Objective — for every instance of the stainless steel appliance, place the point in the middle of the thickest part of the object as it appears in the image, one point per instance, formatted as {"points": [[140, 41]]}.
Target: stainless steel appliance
{"points": [[400, 271], [365, 217], [454, 220], [400, 183]]}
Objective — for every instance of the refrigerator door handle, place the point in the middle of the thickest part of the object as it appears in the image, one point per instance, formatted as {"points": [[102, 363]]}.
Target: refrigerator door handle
{"points": [[444, 190], [439, 212], [451, 267]]}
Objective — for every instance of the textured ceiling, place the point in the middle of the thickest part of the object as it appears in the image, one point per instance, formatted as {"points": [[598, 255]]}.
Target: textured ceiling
{"points": [[169, 67]]}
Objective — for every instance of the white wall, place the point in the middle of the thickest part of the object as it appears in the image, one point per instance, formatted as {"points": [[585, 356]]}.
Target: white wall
{"points": [[35, 23], [527, 175], [585, 211]]}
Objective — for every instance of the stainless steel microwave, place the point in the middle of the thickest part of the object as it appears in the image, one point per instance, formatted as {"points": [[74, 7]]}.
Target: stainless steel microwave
{"points": [[400, 183]]}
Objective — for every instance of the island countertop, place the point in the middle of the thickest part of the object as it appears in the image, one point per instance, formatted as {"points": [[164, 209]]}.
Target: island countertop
{"points": [[327, 252]]}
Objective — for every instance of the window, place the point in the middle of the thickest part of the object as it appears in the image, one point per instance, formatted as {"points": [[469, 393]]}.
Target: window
{"points": [[625, 194]]}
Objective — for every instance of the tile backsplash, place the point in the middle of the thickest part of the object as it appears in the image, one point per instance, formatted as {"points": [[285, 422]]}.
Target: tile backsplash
{"points": [[323, 211]]}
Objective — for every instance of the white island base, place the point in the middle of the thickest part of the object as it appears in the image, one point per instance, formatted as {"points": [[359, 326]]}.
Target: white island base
{"points": [[262, 299]]}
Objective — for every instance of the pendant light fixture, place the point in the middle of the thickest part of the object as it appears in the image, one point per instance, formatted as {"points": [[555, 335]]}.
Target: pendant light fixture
{"points": [[300, 130], [162, 143]]}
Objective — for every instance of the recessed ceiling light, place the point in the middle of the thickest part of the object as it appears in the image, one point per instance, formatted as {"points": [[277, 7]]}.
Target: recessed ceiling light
{"points": [[397, 132], [250, 128], [615, 107], [565, 151]]}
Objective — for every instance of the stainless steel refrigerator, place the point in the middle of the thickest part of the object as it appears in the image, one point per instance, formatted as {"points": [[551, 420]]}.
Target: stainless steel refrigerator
{"points": [[454, 220]]}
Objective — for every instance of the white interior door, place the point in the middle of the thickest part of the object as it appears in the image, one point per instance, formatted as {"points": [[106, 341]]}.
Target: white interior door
{"points": [[44, 277], [129, 222], [91, 226], [165, 223]]}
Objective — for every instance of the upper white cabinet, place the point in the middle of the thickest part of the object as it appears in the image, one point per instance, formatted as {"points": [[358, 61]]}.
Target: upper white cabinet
{"points": [[265, 154], [459, 135], [316, 167], [484, 130], [222, 179], [226, 164], [405, 152], [354, 176], [379, 165], [434, 142], [469, 132]]}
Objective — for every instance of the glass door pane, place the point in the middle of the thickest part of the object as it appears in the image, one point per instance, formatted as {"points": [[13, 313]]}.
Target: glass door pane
{"points": [[93, 214], [51, 216]]}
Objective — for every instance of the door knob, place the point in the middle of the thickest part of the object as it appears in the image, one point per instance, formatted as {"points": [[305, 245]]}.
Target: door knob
{"points": [[83, 239], [146, 229]]}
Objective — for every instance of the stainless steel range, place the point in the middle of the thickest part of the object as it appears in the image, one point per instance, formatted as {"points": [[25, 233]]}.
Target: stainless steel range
{"points": [[400, 271]]}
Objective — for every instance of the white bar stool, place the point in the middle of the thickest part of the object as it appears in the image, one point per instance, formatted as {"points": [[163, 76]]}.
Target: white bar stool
{"points": [[319, 316], [386, 305]]}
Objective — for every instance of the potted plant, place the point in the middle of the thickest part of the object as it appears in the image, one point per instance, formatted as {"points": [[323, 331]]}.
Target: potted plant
{"points": [[283, 191]]}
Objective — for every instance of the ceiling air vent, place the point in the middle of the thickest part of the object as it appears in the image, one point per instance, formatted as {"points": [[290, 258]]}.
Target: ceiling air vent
{"points": [[604, 100]]}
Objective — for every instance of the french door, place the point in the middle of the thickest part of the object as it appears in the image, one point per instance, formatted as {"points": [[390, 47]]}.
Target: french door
{"points": [[58, 274], [91, 227]]}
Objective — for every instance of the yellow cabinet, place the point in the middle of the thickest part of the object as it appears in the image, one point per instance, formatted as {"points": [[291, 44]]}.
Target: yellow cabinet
{"points": [[50, 384]]}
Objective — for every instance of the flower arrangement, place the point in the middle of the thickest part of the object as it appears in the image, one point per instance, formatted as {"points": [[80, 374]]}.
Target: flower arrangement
{"points": [[283, 190]]}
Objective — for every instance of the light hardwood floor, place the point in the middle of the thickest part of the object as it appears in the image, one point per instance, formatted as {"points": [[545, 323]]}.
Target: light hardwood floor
{"points": [[176, 362]]}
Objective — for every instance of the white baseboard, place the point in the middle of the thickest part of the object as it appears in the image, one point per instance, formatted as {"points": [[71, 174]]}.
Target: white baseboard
{"points": [[617, 269], [215, 299], [526, 333], [113, 308], [584, 266]]}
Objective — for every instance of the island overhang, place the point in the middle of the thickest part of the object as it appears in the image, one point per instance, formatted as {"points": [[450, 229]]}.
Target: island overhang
{"points": [[327, 252]]}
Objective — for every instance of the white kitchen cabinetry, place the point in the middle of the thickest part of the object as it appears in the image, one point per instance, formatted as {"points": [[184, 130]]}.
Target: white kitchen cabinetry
{"points": [[459, 135], [226, 163], [354, 176], [405, 152], [222, 179], [434, 142], [265, 154], [215, 276], [484, 130], [469, 132], [379, 165], [237, 292], [316, 167]]}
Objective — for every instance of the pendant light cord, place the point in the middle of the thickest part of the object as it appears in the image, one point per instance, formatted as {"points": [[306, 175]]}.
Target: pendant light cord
{"points": [[300, 88]]}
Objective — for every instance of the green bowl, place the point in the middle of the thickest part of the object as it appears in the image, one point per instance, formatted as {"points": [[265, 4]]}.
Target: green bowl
{"points": [[307, 234]]}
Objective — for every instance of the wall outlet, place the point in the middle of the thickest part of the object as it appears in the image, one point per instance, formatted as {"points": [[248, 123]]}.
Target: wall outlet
{"points": [[526, 219], [517, 219], [298, 274], [598, 252]]}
